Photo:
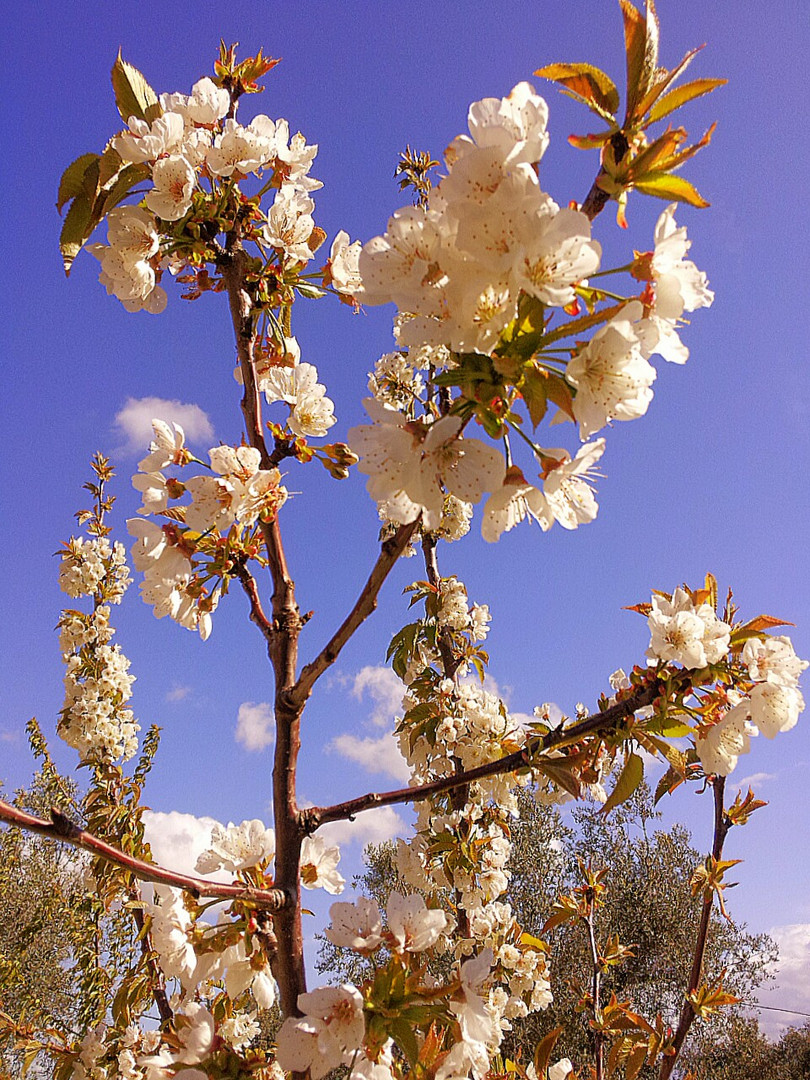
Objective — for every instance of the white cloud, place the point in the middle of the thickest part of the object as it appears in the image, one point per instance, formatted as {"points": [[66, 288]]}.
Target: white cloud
{"points": [[752, 780], [385, 690], [9, 736], [255, 725], [177, 839], [370, 827], [791, 989], [178, 693], [374, 755], [134, 422]]}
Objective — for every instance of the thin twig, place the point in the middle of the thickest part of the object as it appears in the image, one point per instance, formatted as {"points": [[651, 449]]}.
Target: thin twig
{"points": [[721, 827], [364, 606], [596, 991], [257, 614], [64, 830], [145, 938], [315, 816], [450, 665]]}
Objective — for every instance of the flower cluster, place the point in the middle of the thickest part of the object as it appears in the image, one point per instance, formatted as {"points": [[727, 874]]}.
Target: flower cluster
{"points": [[200, 541], [760, 693], [489, 233], [195, 154], [95, 719], [472, 271]]}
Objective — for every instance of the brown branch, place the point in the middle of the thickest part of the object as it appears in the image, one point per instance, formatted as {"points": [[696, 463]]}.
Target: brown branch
{"points": [[597, 1035], [365, 604], [450, 665], [597, 199], [282, 640], [721, 827], [145, 938], [63, 829], [315, 816], [257, 614]]}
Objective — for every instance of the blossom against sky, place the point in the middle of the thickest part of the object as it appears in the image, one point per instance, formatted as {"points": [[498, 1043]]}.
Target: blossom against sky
{"points": [[714, 476]]}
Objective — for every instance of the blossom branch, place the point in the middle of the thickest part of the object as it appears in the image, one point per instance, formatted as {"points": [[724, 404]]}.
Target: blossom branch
{"points": [[315, 816], [722, 824], [61, 828], [365, 604], [282, 639], [450, 665]]}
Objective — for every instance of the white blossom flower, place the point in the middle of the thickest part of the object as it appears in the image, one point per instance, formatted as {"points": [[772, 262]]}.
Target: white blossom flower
{"points": [[154, 493], [567, 487], [195, 1030], [147, 142], [290, 224], [685, 633], [512, 503], [413, 926], [557, 254], [239, 150], [473, 1016], [612, 378], [773, 707], [167, 448], [319, 865], [773, 660], [170, 931], [355, 926], [720, 746], [236, 847], [516, 125], [239, 1030], [174, 180], [679, 285], [206, 104], [344, 265], [327, 1036]]}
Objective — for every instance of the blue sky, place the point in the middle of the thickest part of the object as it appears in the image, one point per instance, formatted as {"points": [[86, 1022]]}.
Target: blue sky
{"points": [[713, 478]]}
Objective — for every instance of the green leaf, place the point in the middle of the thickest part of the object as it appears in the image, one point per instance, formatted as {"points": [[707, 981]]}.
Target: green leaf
{"points": [[663, 80], [559, 392], [666, 186], [630, 777], [544, 1050], [590, 142], [636, 48], [405, 1037], [133, 94], [590, 84], [71, 183], [533, 391], [580, 325], [671, 779], [127, 179], [76, 229], [109, 166], [676, 98]]}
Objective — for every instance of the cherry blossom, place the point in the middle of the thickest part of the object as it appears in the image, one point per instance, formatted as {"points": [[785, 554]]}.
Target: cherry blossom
{"points": [[686, 633], [611, 376], [568, 485], [236, 847], [355, 926], [413, 926], [328, 1034], [319, 865]]}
